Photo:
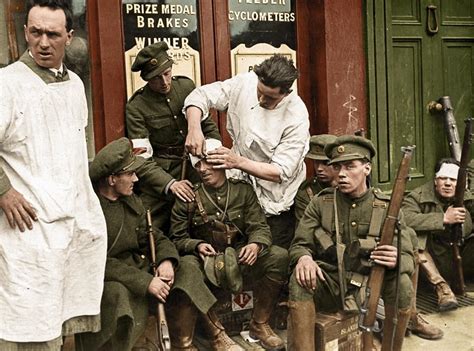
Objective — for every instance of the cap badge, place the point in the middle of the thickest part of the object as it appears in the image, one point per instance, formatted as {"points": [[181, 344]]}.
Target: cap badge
{"points": [[340, 149], [153, 61], [220, 265]]}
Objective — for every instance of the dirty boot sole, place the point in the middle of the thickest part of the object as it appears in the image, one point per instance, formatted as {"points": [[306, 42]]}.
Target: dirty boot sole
{"points": [[449, 306]]}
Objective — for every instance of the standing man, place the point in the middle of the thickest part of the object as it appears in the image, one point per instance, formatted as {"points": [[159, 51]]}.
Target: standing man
{"points": [[128, 279], [268, 123], [428, 210], [53, 272], [347, 214], [324, 174], [226, 217], [155, 121]]}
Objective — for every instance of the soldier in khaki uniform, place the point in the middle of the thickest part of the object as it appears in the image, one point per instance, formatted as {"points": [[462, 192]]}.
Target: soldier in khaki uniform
{"points": [[428, 210], [155, 121], [316, 270], [226, 214], [128, 281], [323, 178]]}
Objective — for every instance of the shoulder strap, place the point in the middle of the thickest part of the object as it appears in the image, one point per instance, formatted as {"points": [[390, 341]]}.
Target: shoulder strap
{"points": [[201, 209], [310, 193], [376, 220]]}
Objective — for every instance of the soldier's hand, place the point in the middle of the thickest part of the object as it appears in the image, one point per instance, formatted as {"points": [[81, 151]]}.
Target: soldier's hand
{"points": [[223, 158], [307, 271], [385, 255], [248, 254], [183, 189], [19, 212], [454, 215], [166, 272], [205, 249], [159, 288]]}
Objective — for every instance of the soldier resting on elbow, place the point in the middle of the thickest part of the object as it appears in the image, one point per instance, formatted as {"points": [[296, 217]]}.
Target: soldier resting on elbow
{"points": [[129, 283]]}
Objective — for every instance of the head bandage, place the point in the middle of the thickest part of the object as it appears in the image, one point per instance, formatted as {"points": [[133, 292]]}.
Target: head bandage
{"points": [[448, 170], [211, 144]]}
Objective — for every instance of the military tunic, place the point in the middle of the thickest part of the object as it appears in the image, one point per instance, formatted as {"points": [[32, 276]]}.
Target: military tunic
{"points": [[317, 226], [245, 213], [124, 305], [160, 119], [424, 212], [309, 188]]}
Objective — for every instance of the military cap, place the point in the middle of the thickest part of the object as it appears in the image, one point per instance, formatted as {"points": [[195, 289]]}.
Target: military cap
{"points": [[349, 147], [317, 144], [114, 158], [223, 270], [152, 60]]}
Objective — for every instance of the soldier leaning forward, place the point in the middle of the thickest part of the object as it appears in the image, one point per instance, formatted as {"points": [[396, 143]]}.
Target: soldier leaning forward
{"points": [[155, 120], [129, 284], [226, 217], [352, 214]]}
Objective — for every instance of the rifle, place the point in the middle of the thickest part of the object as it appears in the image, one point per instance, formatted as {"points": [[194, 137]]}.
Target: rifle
{"points": [[374, 285], [444, 104], [163, 335], [456, 238]]}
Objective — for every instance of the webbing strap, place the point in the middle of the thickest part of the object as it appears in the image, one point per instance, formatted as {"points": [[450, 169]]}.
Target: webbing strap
{"points": [[310, 193], [377, 217], [201, 209]]}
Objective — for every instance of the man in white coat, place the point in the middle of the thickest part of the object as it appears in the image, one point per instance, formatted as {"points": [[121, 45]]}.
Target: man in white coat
{"points": [[269, 124], [52, 231]]}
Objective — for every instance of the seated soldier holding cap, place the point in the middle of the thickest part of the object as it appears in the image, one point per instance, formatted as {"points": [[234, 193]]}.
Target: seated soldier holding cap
{"points": [[128, 279], [224, 234]]}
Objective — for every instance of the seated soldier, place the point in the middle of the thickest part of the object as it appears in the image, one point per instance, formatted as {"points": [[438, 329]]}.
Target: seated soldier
{"points": [[429, 211], [316, 270], [129, 283], [324, 174], [225, 216]]}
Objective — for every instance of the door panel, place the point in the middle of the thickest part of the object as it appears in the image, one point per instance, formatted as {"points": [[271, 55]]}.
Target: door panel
{"points": [[427, 52]]}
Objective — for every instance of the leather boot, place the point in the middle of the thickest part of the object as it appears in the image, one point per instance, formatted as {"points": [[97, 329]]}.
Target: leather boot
{"points": [[181, 321], [403, 316], [301, 325], [446, 299], [219, 339], [259, 329], [417, 324]]}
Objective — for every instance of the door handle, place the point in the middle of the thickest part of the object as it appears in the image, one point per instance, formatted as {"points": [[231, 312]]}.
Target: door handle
{"points": [[434, 107], [432, 20]]}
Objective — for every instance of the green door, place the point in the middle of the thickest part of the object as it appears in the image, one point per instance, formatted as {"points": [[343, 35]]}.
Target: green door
{"points": [[418, 51]]}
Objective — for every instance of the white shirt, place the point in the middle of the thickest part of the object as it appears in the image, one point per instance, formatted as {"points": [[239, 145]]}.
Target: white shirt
{"points": [[54, 272], [279, 136]]}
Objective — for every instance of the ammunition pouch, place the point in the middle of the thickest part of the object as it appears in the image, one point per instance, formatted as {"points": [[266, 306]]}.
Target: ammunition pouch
{"points": [[217, 233], [223, 235]]}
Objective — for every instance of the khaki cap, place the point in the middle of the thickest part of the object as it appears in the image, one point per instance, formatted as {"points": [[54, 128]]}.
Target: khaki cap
{"points": [[115, 157], [152, 60], [223, 270], [349, 147], [317, 144]]}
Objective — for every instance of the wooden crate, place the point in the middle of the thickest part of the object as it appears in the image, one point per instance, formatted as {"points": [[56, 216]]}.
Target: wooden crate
{"points": [[338, 332]]}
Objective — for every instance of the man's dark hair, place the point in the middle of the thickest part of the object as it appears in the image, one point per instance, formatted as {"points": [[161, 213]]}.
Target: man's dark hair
{"points": [[445, 160], [277, 72], [53, 5]]}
